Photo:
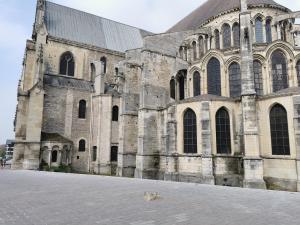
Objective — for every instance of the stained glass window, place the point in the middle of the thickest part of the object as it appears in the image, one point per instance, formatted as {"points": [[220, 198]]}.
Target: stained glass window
{"points": [[279, 131], [236, 35], [197, 83], [214, 77], [67, 64], [258, 81], [279, 71], [268, 30], [81, 147], [235, 80], [298, 72], [226, 36], [223, 132], [82, 109], [217, 39], [259, 30], [190, 132]]}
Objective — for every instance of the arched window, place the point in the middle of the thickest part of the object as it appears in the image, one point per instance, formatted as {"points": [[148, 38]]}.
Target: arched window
{"points": [[82, 109], [201, 46], [54, 156], [279, 131], [115, 113], [235, 80], [81, 147], [190, 132], [298, 72], [93, 72], [236, 35], [258, 81], [223, 132], [259, 30], [194, 50], [172, 88], [214, 77], [103, 64], [197, 83], [217, 39], [279, 71], [226, 36], [181, 82], [94, 158], [67, 65], [269, 30], [114, 154]]}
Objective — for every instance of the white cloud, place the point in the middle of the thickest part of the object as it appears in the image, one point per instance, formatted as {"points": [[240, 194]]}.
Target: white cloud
{"points": [[153, 15]]}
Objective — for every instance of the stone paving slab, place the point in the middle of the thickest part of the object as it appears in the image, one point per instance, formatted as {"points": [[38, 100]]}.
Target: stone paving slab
{"points": [[41, 198]]}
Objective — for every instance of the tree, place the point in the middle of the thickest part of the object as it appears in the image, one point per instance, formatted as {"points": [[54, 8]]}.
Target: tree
{"points": [[2, 151]]}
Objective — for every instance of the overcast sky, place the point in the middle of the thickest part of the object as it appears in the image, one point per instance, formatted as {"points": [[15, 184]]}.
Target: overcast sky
{"points": [[17, 17]]}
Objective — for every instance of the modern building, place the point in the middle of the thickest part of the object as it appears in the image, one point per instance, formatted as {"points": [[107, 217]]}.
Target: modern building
{"points": [[214, 100]]}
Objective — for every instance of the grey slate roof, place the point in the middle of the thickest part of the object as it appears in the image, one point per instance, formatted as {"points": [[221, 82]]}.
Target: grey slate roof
{"points": [[212, 8], [67, 82], [74, 25]]}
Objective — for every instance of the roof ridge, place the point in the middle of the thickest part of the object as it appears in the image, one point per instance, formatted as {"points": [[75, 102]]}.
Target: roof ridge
{"points": [[211, 9]]}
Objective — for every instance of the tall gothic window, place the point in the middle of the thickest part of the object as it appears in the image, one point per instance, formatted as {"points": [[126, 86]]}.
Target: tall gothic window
{"points": [[181, 83], [172, 89], [226, 36], [93, 72], [201, 46], [269, 30], [81, 147], [114, 154], [194, 50], [82, 109], [258, 81], [94, 158], [279, 71], [298, 72], [197, 83], [259, 30], [103, 64], [115, 113], [214, 77], [190, 132], [236, 35], [217, 39], [67, 65], [279, 131], [235, 80], [223, 132]]}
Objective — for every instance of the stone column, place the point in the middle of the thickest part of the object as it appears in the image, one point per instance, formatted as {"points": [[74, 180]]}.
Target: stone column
{"points": [[207, 160], [296, 102], [171, 141], [253, 164], [278, 28], [264, 31]]}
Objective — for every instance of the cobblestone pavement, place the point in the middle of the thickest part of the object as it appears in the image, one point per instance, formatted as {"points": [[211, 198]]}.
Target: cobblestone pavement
{"points": [[40, 198]]}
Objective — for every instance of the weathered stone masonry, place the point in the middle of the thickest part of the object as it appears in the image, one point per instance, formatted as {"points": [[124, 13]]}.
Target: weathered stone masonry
{"points": [[213, 100]]}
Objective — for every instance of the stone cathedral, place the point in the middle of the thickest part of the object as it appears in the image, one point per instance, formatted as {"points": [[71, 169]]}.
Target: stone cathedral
{"points": [[213, 100]]}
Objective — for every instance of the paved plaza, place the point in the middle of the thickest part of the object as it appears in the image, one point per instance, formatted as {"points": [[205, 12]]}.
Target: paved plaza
{"points": [[40, 198]]}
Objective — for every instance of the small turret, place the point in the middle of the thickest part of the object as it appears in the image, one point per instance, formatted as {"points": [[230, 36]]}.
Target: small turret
{"points": [[39, 28]]}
